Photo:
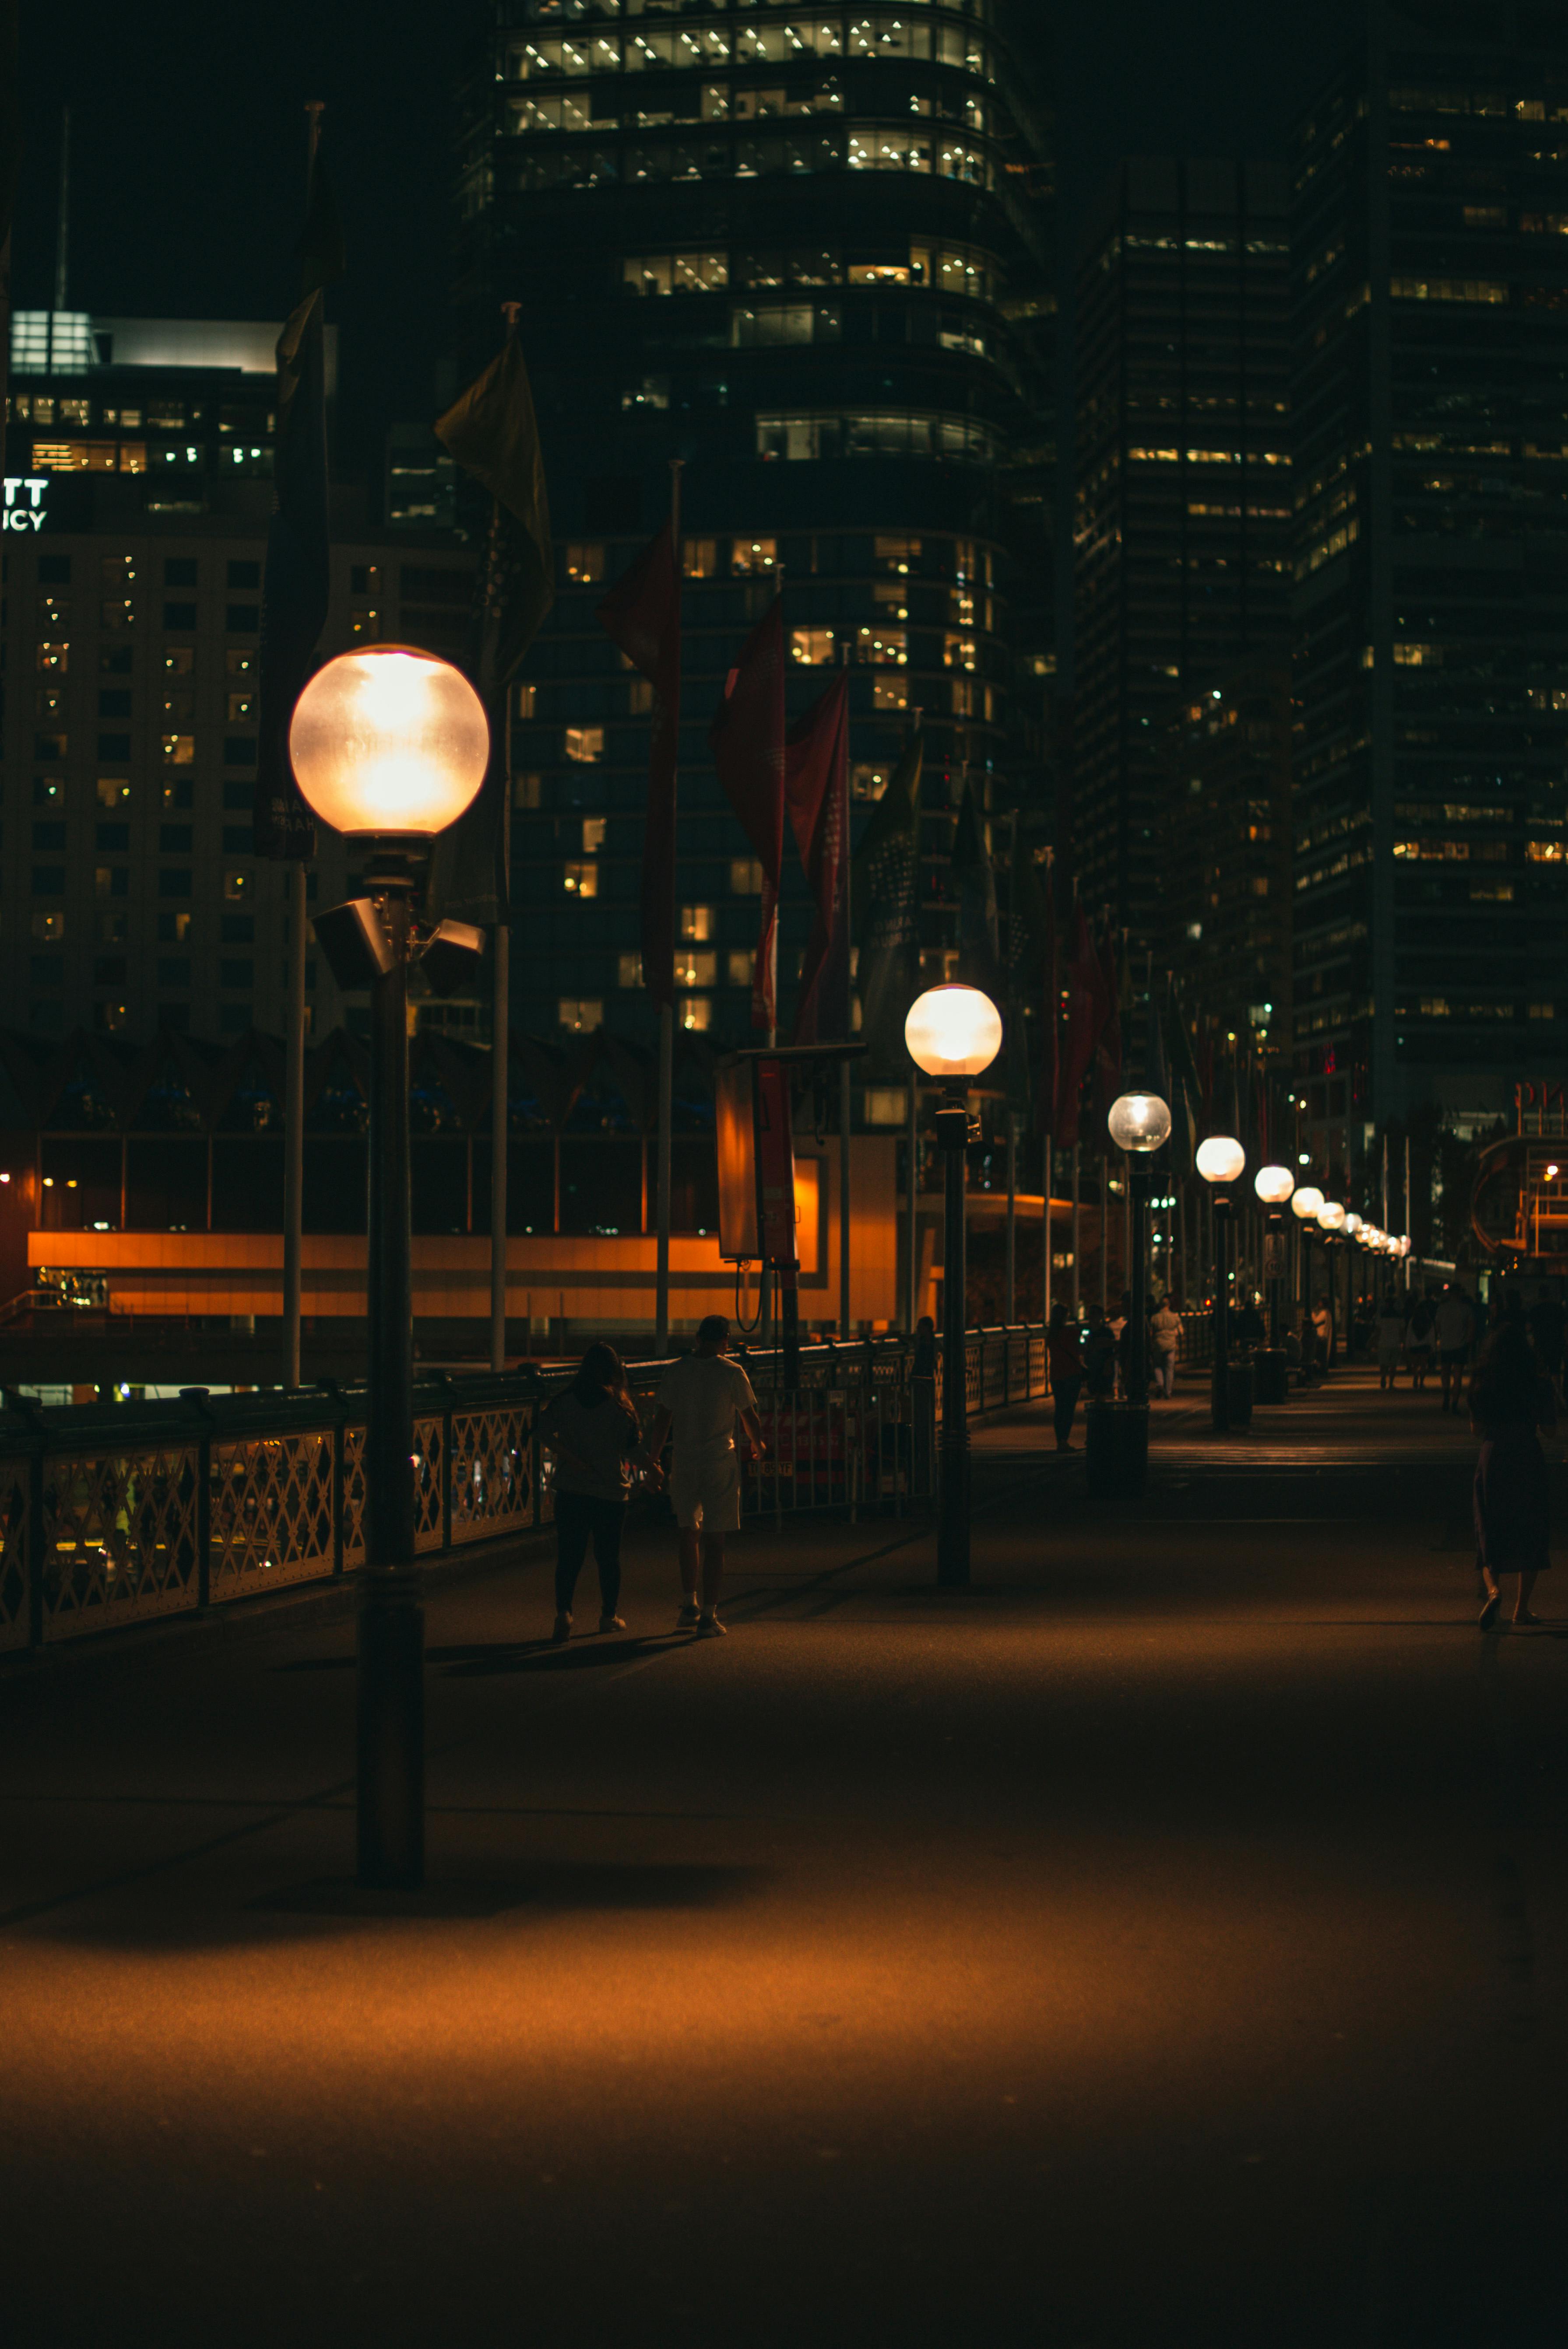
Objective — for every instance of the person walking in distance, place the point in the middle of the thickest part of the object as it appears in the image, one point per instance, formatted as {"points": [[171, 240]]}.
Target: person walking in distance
{"points": [[593, 1431], [1165, 1330], [700, 1399], [1419, 1341], [1454, 1328], [1390, 1340], [1509, 1399], [1064, 1359]]}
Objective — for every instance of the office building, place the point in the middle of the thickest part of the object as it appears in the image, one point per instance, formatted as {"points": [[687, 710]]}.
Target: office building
{"points": [[1181, 467], [1431, 288], [809, 255]]}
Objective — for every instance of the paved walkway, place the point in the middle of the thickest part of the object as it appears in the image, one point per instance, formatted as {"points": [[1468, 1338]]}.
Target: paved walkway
{"points": [[1161, 1941]]}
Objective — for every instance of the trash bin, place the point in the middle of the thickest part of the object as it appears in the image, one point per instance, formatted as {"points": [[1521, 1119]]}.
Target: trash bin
{"points": [[1116, 1449], [1269, 1375], [1239, 1395]]}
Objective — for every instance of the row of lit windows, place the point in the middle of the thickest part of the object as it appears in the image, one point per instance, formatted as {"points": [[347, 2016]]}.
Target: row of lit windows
{"points": [[750, 159], [114, 881], [848, 432], [669, 104], [1487, 102], [654, 48]]}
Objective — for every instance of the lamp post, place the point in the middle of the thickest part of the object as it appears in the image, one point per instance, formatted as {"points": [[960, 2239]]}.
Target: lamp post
{"points": [[1220, 1162], [1139, 1124], [1331, 1224], [952, 1033], [1273, 1185], [1304, 1204], [389, 745]]}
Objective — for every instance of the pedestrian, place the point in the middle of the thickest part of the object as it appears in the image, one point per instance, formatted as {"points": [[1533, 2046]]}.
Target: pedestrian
{"points": [[1252, 1329], [1419, 1341], [1323, 1327], [1390, 1340], [700, 1398], [1063, 1361], [1165, 1332], [1509, 1399], [1454, 1328], [1546, 1328], [1311, 1366], [591, 1429], [1100, 1356]]}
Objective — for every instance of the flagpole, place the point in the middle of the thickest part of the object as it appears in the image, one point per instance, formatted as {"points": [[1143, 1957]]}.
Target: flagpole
{"points": [[666, 1039], [912, 1203], [294, 1017], [1053, 1018], [500, 1066], [1011, 1307], [1078, 1290], [845, 1330]]}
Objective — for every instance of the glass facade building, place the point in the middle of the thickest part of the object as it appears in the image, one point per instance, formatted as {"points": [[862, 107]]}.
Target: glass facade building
{"points": [[1431, 289], [1182, 511], [809, 255]]}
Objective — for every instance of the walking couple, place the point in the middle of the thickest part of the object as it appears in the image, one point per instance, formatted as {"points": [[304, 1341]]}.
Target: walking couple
{"points": [[593, 1432]]}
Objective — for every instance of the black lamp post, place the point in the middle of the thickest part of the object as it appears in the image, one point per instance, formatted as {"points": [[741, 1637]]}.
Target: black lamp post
{"points": [[1331, 1224], [389, 745], [1138, 1124], [952, 1034], [1306, 1201], [1273, 1185], [1220, 1162]]}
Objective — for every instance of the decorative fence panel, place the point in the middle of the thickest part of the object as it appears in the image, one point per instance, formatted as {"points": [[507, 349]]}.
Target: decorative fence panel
{"points": [[119, 1539], [15, 1509], [270, 1512]]}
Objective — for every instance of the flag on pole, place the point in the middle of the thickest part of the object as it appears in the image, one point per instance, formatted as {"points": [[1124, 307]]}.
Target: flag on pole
{"points": [[10, 164], [642, 615], [491, 432], [886, 893], [975, 886], [1186, 1092], [817, 794], [746, 737], [296, 583]]}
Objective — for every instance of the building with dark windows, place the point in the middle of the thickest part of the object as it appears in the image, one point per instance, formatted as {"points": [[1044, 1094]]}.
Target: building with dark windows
{"points": [[808, 255], [1430, 286], [137, 497], [1181, 519]]}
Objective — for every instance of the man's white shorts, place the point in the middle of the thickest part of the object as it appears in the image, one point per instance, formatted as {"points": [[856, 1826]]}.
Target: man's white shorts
{"points": [[705, 1492]]}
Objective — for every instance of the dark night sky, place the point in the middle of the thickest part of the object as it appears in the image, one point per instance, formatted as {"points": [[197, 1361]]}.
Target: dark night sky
{"points": [[188, 154]]}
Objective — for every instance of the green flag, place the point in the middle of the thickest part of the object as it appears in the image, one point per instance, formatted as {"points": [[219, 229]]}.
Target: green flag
{"points": [[885, 894], [491, 432]]}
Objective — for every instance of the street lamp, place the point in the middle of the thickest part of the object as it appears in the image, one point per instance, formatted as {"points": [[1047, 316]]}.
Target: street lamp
{"points": [[1331, 1224], [1140, 1125], [1305, 1206], [954, 1033], [389, 745], [1273, 1185], [1221, 1160]]}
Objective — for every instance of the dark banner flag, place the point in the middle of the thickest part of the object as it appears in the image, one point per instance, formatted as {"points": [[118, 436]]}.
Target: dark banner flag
{"points": [[490, 431], [886, 907], [746, 737], [817, 794], [296, 586], [1083, 987], [10, 163], [975, 885], [642, 615]]}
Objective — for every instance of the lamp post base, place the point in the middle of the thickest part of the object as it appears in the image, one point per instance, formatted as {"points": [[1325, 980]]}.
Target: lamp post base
{"points": [[391, 1733]]}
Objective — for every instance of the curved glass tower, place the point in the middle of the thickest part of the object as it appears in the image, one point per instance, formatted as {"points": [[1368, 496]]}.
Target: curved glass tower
{"points": [[807, 253]]}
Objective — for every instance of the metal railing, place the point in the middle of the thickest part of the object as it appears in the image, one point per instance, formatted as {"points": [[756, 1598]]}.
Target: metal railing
{"points": [[113, 1513]]}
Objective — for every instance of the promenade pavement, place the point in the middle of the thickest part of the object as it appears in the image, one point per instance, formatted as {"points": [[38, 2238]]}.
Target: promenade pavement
{"points": [[1162, 1940]]}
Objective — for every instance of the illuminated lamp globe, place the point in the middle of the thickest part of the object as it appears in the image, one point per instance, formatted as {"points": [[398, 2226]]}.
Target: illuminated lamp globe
{"points": [[1331, 1216], [389, 741], [952, 1031], [1307, 1202], [1221, 1158], [1138, 1122], [1352, 1227], [1273, 1185]]}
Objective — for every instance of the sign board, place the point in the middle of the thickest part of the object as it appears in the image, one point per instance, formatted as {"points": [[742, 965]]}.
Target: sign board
{"points": [[1273, 1256], [24, 507]]}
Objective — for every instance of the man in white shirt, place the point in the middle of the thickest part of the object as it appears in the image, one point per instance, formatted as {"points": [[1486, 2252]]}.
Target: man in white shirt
{"points": [[700, 1398]]}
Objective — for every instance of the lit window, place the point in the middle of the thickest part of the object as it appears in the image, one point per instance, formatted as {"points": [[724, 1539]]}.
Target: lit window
{"points": [[740, 966], [879, 644], [178, 750], [748, 557], [885, 1104], [580, 1011], [746, 876], [527, 790], [1542, 852], [240, 705], [867, 781], [49, 927], [585, 563], [696, 1011], [695, 968], [524, 699], [958, 652], [581, 880], [584, 743], [56, 657], [900, 554], [629, 970], [698, 921], [891, 691], [811, 644], [237, 887], [594, 828], [699, 558], [181, 659], [111, 791], [639, 697]]}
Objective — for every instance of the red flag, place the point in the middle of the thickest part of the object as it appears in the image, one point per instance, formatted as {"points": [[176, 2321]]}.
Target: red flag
{"points": [[641, 614], [817, 793], [747, 740]]}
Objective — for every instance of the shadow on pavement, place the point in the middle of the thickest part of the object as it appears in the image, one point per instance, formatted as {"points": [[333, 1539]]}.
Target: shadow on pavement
{"points": [[479, 1662]]}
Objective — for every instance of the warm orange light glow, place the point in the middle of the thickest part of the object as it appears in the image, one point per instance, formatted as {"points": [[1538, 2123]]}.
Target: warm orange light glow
{"points": [[390, 740], [952, 1031]]}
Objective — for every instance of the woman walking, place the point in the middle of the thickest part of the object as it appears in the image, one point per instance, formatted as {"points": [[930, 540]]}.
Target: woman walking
{"points": [[592, 1430], [1509, 1399], [1064, 1358], [1390, 1341]]}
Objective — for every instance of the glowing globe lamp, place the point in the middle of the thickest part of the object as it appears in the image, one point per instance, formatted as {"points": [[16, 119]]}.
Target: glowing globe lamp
{"points": [[1307, 1202], [1221, 1159], [1138, 1122], [952, 1031], [1352, 1227], [1331, 1216], [1273, 1185], [389, 741]]}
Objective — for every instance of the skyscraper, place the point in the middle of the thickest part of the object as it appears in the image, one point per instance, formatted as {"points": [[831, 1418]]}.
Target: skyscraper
{"points": [[1181, 520], [1431, 610], [808, 254]]}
